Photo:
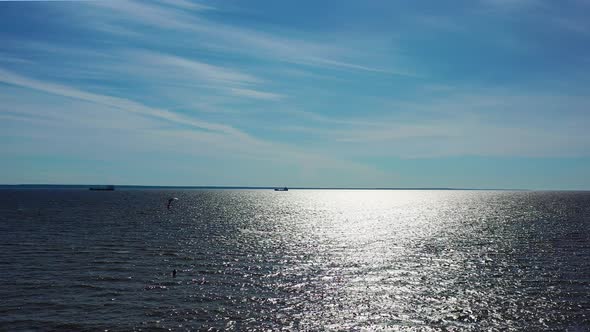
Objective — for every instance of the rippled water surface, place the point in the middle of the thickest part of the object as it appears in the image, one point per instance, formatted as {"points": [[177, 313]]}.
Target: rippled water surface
{"points": [[297, 260]]}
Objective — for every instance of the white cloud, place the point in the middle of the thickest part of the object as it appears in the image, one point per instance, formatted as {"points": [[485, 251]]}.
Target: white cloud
{"points": [[139, 12], [119, 103], [13, 59], [256, 94], [136, 128], [193, 67], [186, 4], [164, 69], [486, 123], [346, 65], [225, 37]]}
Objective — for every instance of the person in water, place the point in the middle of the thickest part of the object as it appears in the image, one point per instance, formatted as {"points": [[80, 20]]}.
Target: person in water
{"points": [[170, 201], [174, 273]]}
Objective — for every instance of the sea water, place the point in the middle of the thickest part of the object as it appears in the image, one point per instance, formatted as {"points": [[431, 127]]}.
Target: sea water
{"points": [[80, 260]]}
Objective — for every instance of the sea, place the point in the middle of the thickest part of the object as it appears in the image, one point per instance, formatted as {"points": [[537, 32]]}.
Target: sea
{"points": [[301, 260]]}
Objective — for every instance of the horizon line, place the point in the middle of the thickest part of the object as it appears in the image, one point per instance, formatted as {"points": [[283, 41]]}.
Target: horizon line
{"points": [[81, 186]]}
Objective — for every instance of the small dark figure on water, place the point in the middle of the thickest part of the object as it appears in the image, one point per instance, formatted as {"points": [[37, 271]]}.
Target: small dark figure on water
{"points": [[174, 273], [170, 201]]}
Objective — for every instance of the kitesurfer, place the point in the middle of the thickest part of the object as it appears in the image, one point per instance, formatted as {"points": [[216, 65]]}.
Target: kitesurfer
{"points": [[170, 200]]}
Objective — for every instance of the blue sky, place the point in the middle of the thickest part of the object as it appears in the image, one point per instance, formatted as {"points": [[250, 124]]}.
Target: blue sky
{"points": [[478, 93]]}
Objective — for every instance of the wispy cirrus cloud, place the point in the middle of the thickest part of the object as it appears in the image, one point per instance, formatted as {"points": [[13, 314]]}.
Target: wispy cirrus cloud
{"points": [[12, 59], [496, 123], [197, 69], [256, 94], [160, 69], [115, 102], [144, 13], [215, 138], [170, 68], [187, 4], [228, 38]]}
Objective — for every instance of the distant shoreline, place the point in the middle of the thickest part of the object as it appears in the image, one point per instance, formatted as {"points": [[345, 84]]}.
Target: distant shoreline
{"points": [[136, 187]]}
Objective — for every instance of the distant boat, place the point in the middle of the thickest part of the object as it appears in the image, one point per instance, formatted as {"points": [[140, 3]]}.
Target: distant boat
{"points": [[103, 188], [282, 189]]}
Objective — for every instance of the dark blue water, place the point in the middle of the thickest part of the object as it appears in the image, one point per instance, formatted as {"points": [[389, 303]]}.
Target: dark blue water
{"points": [[76, 260]]}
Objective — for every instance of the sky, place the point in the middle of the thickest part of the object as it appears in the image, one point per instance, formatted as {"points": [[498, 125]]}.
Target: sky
{"points": [[464, 94]]}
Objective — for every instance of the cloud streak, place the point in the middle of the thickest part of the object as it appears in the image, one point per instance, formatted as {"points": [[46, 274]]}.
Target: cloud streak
{"points": [[115, 102], [213, 136], [227, 37], [484, 123]]}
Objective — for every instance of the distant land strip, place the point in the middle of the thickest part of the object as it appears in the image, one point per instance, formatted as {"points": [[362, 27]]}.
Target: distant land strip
{"points": [[86, 186]]}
